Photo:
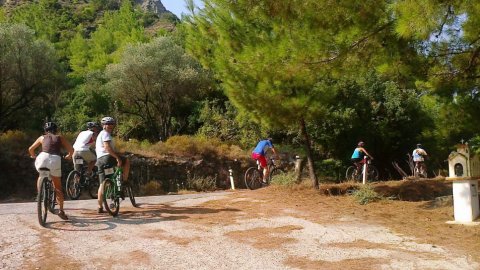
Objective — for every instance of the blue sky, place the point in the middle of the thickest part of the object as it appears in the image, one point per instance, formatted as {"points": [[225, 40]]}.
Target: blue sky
{"points": [[177, 7]]}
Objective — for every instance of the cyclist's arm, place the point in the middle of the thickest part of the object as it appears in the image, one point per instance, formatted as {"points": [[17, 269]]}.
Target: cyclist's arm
{"points": [[67, 147], [35, 145], [111, 152], [366, 153]]}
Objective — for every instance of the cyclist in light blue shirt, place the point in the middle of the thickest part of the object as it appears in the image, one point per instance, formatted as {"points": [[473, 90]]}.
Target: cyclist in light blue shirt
{"points": [[359, 154]]}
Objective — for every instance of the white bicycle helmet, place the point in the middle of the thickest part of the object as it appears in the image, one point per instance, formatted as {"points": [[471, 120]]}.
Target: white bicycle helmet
{"points": [[107, 120]]}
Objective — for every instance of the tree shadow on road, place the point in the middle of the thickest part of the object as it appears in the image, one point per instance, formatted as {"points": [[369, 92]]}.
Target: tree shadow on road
{"points": [[90, 220]]}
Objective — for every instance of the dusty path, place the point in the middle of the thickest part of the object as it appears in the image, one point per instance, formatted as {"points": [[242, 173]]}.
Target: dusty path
{"points": [[240, 230]]}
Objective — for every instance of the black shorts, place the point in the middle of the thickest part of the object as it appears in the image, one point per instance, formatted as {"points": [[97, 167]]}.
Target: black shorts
{"points": [[109, 161], [356, 160]]}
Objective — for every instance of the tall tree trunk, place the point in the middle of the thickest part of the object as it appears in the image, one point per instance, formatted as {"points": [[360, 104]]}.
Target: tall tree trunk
{"points": [[306, 140]]}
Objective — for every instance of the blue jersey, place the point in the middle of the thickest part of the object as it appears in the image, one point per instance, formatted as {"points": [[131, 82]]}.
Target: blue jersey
{"points": [[357, 153], [260, 149]]}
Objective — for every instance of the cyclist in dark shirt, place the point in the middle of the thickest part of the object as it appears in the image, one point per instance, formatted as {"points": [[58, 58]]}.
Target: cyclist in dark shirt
{"points": [[50, 157]]}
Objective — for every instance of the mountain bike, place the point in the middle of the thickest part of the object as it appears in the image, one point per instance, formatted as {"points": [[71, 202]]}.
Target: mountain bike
{"points": [[78, 179], [254, 175], [420, 170], [114, 190], [46, 198], [356, 175]]}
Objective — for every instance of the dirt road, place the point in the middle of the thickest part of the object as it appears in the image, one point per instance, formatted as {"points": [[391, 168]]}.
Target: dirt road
{"points": [[227, 230]]}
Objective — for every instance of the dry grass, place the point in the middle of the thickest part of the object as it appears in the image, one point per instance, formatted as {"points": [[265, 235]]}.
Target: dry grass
{"points": [[183, 146]]}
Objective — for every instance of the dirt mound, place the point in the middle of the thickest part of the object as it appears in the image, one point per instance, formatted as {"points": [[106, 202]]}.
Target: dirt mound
{"points": [[405, 190]]}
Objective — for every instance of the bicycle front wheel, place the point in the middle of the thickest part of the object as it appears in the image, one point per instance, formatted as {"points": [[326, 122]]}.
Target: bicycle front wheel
{"points": [[72, 185], [129, 190], [253, 178], [42, 203], [372, 173], [275, 172], [111, 201]]}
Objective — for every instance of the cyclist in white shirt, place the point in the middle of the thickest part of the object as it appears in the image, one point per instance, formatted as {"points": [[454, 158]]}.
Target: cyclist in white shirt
{"points": [[83, 144], [107, 155]]}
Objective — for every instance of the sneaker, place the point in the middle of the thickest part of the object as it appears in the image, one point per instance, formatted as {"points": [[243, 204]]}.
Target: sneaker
{"points": [[62, 215], [100, 210], [264, 183]]}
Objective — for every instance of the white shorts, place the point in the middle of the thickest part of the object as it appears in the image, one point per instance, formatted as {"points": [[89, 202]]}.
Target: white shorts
{"points": [[52, 162], [87, 155]]}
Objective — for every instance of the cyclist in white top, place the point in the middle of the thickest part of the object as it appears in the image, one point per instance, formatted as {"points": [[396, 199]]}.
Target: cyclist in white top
{"points": [[107, 155], [83, 144]]}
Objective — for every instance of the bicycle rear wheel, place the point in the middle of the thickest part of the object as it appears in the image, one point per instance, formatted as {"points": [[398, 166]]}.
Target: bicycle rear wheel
{"points": [[93, 187], [72, 186], [253, 178], [42, 203], [352, 175], [52, 198], [111, 201]]}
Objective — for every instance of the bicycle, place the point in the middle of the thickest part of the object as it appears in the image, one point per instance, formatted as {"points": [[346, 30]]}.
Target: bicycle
{"points": [[352, 173], [254, 175], [78, 179], [420, 170], [46, 198], [113, 190]]}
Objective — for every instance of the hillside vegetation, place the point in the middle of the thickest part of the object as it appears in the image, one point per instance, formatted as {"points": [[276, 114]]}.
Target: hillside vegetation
{"points": [[392, 74]]}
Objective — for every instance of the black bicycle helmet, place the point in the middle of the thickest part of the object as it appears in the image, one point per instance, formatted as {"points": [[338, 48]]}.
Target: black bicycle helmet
{"points": [[50, 127], [107, 120], [91, 125], [419, 145]]}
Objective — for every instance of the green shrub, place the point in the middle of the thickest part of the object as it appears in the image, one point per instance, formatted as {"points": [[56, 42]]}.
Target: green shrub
{"points": [[206, 183], [365, 194], [152, 188], [284, 179]]}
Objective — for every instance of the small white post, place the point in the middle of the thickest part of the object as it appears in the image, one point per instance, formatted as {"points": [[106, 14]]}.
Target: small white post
{"points": [[365, 167], [232, 183]]}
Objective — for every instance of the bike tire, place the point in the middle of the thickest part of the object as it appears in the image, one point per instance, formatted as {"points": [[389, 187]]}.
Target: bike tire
{"points": [[72, 185], [111, 201], [93, 187], [42, 203], [253, 178], [275, 172], [129, 190], [52, 198], [350, 174], [372, 173]]}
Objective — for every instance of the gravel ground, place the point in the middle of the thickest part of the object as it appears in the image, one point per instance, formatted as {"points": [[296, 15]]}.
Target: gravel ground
{"points": [[208, 231]]}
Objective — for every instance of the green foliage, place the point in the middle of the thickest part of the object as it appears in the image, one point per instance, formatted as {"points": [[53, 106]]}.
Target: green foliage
{"points": [[221, 120], [152, 188], [366, 194], [197, 183], [285, 179], [156, 85], [107, 43], [388, 118], [30, 78], [87, 102], [14, 142]]}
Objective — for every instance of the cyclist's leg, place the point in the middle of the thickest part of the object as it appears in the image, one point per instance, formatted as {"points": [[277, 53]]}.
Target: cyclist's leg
{"points": [[55, 166], [125, 167], [263, 164], [102, 161]]}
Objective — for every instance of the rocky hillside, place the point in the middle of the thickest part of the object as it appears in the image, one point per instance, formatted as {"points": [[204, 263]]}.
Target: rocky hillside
{"points": [[153, 6]]}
